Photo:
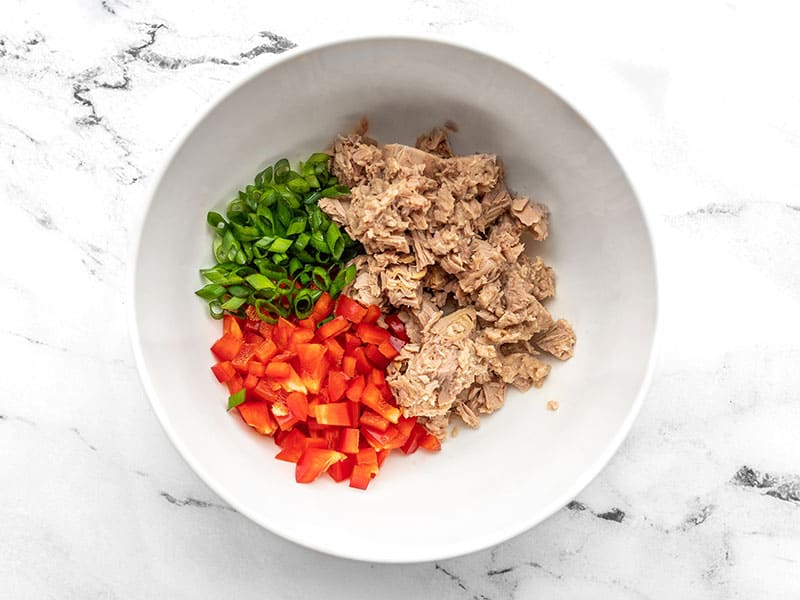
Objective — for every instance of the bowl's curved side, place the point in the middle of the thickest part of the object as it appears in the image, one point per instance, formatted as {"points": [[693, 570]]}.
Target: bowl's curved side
{"points": [[222, 148]]}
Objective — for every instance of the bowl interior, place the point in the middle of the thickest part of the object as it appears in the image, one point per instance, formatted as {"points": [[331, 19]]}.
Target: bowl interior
{"points": [[525, 461]]}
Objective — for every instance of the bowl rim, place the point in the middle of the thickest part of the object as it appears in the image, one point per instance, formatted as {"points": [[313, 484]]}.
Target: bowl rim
{"points": [[429, 553]]}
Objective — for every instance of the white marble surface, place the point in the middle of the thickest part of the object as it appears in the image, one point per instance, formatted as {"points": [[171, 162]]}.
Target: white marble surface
{"points": [[702, 103]]}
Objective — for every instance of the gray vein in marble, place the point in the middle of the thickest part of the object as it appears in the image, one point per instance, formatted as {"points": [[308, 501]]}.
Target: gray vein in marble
{"points": [[783, 487], [77, 432], [613, 514], [715, 209], [189, 501], [454, 578]]}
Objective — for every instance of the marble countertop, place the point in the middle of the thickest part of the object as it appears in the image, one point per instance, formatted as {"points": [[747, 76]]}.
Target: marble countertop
{"points": [[701, 101]]}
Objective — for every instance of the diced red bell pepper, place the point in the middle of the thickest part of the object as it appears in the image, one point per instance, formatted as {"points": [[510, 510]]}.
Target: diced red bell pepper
{"points": [[335, 351], [362, 475], [363, 366], [308, 323], [377, 377], [342, 470], [266, 350], [388, 350], [404, 428], [354, 409], [348, 440], [350, 309], [375, 357], [337, 384], [431, 442], [252, 338], [231, 326], [322, 308], [313, 379], [245, 354], [379, 440], [314, 462], [349, 366], [223, 371], [281, 413], [299, 336], [266, 329], [283, 332], [292, 445], [257, 416], [414, 439], [382, 456], [335, 413], [250, 382], [355, 389], [333, 327], [331, 437], [310, 355], [235, 383], [256, 368], [371, 334], [227, 347], [396, 326], [277, 370], [351, 341], [264, 391], [367, 456], [297, 403], [373, 399], [374, 421], [373, 314]]}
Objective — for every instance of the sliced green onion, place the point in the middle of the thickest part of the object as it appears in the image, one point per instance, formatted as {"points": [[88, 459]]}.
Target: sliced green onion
{"points": [[233, 303], [320, 278], [216, 310], [280, 245], [236, 399], [282, 170], [259, 281], [335, 240], [318, 242], [212, 291], [297, 225], [303, 303]]}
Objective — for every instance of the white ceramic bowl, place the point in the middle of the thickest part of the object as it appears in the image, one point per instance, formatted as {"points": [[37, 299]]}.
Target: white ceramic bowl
{"points": [[524, 462]]}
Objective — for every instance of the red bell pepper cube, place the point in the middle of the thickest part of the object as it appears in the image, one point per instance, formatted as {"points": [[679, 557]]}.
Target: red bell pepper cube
{"points": [[388, 350], [373, 399], [336, 413], [431, 442], [250, 382], [362, 475], [266, 350], [355, 389], [310, 355], [351, 341], [375, 357], [231, 326], [283, 332], [373, 314], [257, 416], [414, 439], [349, 309], [335, 352], [223, 371], [322, 308], [348, 440], [371, 334], [332, 328], [396, 326], [342, 470], [227, 347], [235, 383], [337, 384], [374, 421], [379, 440], [349, 366], [382, 456], [363, 366], [314, 462], [297, 403], [308, 323]]}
